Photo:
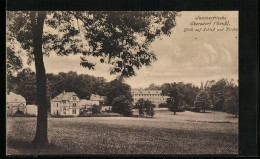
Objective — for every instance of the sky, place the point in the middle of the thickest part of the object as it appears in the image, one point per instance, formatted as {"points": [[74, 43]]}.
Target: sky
{"points": [[189, 57]]}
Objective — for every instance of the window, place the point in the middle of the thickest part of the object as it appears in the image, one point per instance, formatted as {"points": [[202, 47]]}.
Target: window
{"points": [[74, 105], [64, 102], [57, 104], [74, 98], [74, 111]]}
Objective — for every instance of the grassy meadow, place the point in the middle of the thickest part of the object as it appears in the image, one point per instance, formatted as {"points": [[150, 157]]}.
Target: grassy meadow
{"points": [[184, 133]]}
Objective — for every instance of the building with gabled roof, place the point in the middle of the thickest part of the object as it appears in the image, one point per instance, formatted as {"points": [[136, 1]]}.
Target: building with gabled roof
{"points": [[15, 103], [100, 99], [65, 104]]}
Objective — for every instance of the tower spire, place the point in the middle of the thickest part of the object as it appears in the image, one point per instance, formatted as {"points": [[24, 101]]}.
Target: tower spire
{"points": [[201, 85]]}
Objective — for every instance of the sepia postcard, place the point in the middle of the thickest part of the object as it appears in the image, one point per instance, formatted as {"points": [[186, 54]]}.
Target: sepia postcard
{"points": [[122, 82]]}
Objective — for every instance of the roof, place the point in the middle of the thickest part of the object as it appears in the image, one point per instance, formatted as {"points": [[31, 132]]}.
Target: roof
{"points": [[95, 97], [15, 98], [63, 96], [88, 102]]}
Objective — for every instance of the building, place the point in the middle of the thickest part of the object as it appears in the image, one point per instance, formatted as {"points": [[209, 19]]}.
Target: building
{"points": [[65, 104], [155, 96], [15, 104], [32, 110], [86, 105], [100, 99]]}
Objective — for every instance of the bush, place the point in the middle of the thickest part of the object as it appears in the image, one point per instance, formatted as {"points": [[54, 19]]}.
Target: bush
{"points": [[149, 110], [96, 109], [196, 109], [163, 105], [188, 107], [122, 106], [145, 107]]}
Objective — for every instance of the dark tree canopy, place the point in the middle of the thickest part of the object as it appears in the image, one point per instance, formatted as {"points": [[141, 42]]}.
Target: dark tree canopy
{"points": [[121, 39], [82, 84], [117, 88], [13, 62], [202, 100], [231, 104], [122, 106]]}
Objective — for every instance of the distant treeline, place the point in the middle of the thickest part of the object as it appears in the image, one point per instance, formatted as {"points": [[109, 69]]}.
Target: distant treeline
{"points": [[222, 93], [83, 85]]}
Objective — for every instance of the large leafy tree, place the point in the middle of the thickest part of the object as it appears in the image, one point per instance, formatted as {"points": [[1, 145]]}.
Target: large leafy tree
{"points": [[26, 85], [231, 104], [171, 105], [217, 93], [122, 105], [117, 88], [121, 39], [202, 100], [14, 65], [145, 107], [13, 62]]}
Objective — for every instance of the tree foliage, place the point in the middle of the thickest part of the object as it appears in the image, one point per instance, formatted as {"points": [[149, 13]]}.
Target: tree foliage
{"points": [[202, 100], [217, 93], [231, 104], [171, 105], [121, 39], [82, 84], [13, 62], [96, 109], [145, 107], [117, 88], [122, 106]]}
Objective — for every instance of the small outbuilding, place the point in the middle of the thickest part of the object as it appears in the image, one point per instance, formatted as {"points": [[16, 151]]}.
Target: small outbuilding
{"points": [[100, 99], [32, 110], [15, 103]]}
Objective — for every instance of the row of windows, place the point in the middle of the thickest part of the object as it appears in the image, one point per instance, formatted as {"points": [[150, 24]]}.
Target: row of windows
{"points": [[156, 99], [73, 104], [73, 111], [147, 95]]}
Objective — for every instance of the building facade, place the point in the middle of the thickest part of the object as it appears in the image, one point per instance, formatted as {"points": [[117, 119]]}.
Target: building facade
{"points": [[100, 99], [155, 96], [65, 104]]}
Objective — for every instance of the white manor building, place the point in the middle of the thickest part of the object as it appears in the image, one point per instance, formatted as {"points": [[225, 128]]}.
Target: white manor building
{"points": [[66, 103], [155, 96]]}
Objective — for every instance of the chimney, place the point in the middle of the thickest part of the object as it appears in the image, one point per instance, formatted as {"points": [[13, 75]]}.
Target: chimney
{"points": [[63, 91]]}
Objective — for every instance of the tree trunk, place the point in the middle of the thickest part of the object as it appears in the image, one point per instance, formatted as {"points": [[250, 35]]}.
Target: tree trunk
{"points": [[37, 22]]}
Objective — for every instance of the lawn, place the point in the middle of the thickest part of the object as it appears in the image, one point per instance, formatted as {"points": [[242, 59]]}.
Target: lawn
{"points": [[184, 133]]}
